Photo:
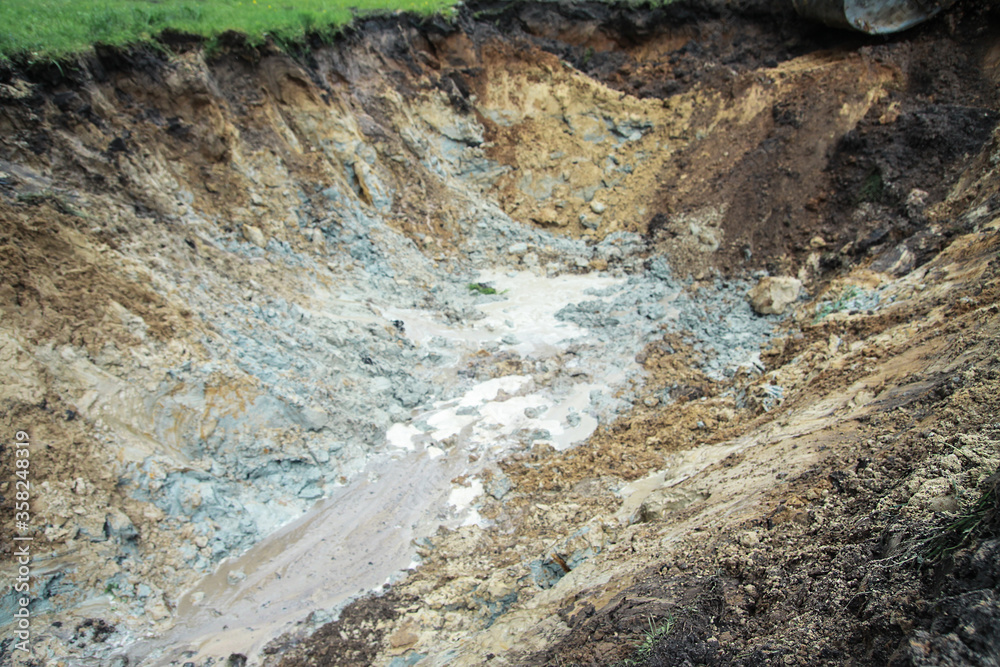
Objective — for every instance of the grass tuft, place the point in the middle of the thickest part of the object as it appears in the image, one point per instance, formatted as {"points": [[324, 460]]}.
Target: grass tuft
{"points": [[483, 288], [959, 532], [872, 189], [650, 638], [836, 305]]}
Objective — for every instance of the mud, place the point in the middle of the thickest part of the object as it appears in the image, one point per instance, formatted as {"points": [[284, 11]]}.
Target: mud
{"points": [[453, 316]]}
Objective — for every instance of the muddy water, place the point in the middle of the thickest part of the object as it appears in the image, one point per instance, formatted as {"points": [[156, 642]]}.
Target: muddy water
{"points": [[362, 536]]}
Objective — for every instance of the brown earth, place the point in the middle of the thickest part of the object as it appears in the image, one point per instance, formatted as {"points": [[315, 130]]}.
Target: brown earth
{"points": [[837, 531], [827, 525]]}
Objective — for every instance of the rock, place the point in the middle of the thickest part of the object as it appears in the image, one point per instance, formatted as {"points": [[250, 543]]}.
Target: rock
{"points": [[311, 492], [253, 235], [118, 526], [499, 486], [235, 577], [898, 261], [943, 504], [403, 638], [773, 295], [598, 207], [517, 248], [373, 192], [916, 201], [662, 502], [550, 217], [314, 236], [313, 418], [157, 611]]}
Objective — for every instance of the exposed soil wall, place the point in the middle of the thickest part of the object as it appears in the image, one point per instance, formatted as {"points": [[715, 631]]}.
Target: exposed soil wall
{"points": [[227, 277]]}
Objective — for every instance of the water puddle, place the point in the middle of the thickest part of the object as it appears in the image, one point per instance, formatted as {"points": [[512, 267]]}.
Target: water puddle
{"points": [[361, 536]]}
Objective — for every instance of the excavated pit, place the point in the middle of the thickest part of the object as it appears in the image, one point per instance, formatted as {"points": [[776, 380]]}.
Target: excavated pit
{"points": [[450, 320]]}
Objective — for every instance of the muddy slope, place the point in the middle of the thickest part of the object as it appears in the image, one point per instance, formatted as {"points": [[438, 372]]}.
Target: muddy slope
{"points": [[203, 256]]}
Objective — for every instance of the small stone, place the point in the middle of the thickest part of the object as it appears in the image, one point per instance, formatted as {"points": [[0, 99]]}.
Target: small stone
{"points": [[773, 295], [310, 492], [534, 411], [235, 577], [916, 200], [651, 401], [943, 504], [157, 611], [499, 486], [402, 638], [517, 248], [118, 526], [253, 235], [598, 207], [898, 261], [550, 217], [314, 418]]}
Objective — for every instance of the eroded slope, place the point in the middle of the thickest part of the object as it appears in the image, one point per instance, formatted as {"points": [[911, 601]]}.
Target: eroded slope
{"points": [[204, 256]]}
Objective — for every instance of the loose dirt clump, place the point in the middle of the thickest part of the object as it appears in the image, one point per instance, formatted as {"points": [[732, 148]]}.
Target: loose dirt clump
{"points": [[353, 638]]}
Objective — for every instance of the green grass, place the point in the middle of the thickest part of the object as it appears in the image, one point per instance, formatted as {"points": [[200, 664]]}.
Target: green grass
{"points": [[650, 638], [836, 305], [52, 29], [872, 189], [483, 288], [958, 533]]}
